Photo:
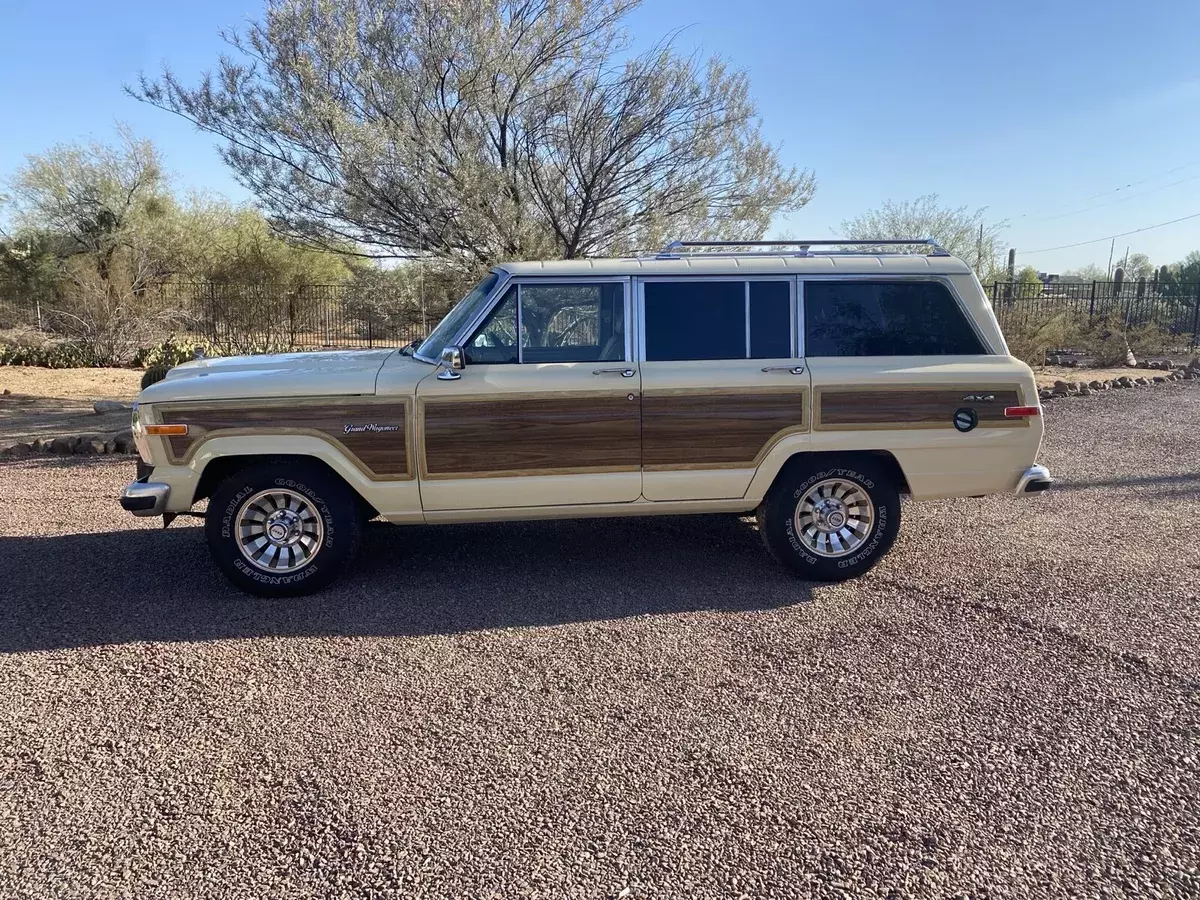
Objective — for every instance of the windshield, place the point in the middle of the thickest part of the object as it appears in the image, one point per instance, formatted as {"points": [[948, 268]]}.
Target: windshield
{"points": [[463, 310]]}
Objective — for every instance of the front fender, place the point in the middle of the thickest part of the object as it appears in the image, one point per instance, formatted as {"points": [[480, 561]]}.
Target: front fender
{"points": [[397, 499]]}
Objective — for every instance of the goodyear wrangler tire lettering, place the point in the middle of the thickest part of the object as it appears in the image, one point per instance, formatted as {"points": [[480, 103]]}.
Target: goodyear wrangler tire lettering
{"points": [[329, 498], [836, 499]]}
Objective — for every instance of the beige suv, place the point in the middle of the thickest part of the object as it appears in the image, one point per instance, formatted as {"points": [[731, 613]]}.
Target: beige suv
{"points": [[815, 388]]}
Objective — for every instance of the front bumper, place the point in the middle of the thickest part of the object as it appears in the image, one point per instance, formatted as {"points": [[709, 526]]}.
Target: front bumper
{"points": [[1035, 480], [145, 498]]}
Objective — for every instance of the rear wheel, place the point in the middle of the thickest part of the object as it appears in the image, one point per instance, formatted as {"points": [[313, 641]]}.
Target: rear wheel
{"points": [[282, 531], [828, 519]]}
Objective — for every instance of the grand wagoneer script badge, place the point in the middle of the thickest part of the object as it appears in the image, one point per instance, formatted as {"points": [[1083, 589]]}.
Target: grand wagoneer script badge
{"points": [[370, 427]]}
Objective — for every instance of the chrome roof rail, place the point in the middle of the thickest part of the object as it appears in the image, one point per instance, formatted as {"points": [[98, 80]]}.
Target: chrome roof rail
{"points": [[680, 249]]}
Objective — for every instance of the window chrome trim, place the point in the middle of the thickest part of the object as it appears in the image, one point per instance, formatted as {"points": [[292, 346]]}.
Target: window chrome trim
{"points": [[798, 316], [640, 282], [943, 280]]}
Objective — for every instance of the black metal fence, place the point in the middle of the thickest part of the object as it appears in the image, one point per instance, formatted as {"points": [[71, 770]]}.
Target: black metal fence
{"points": [[1174, 307]]}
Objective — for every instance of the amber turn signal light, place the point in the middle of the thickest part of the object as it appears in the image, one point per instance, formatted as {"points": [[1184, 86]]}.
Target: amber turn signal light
{"points": [[167, 430]]}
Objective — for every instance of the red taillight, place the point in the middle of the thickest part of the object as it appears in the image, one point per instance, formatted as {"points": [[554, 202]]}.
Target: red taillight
{"points": [[1020, 412]]}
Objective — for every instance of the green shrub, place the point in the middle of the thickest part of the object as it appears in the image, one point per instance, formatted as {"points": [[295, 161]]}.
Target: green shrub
{"points": [[153, 375], [50, 356], [170, 352]]}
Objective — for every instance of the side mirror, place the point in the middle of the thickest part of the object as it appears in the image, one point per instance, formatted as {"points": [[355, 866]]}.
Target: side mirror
{"points": [[452, 363]]}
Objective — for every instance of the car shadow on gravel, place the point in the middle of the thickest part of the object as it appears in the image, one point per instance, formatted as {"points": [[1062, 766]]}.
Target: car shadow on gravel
{"points": [[154, 585]]}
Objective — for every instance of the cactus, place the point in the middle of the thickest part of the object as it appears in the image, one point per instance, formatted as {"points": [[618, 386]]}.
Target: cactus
{"points": [[153, 375]]}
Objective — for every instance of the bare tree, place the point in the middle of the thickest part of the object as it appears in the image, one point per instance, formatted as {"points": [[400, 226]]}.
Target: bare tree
{"points": [[965, 233], [477, 130]]}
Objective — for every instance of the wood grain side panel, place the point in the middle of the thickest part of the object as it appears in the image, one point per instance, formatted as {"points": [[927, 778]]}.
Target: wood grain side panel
{"points": [[696, 430], [383, 453], [535, 435], [912, 407]]}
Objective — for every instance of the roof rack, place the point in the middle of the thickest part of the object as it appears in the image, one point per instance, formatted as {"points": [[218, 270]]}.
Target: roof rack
{"points": [[679, 249]]}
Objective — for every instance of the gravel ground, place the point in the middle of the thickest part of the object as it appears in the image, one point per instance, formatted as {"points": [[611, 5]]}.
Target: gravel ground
{"points": [[1005, 707]]}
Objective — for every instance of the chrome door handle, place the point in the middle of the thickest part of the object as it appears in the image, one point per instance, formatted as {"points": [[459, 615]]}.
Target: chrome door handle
{"points": [[795, 370], [624, 373]]}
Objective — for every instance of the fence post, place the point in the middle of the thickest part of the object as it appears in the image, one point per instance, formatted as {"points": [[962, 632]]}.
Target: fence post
{"points": [[1092, 303], [292, 320], [1196, 318]]}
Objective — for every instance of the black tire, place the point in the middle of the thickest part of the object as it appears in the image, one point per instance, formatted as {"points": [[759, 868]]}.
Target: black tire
{"points": [[327, 499], [777, 517]]}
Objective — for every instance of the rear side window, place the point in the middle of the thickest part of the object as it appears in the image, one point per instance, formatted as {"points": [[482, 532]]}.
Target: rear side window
{"points": [[697, 320], [882, 318]]}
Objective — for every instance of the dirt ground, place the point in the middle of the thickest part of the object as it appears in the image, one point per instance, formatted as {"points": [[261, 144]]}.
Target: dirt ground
{"points": [[58, 402], [1005, 707]]}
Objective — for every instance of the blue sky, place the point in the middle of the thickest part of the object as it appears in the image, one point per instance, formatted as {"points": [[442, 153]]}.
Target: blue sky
{"points": [[1072, 120]]}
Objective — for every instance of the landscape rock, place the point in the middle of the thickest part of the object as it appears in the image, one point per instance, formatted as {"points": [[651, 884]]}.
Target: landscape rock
{"points": [[18, 450], [1096, 385], [63, 444], [1045, 394], [1062, 386], [1160, 379], [107, 406]]}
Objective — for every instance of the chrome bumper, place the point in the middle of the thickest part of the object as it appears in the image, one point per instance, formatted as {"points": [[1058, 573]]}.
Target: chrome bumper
{"points": [[145, 498], [1035, 480]]}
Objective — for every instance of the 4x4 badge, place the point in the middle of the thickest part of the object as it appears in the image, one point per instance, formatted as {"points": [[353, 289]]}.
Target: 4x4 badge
{"points": [[979, 398]]}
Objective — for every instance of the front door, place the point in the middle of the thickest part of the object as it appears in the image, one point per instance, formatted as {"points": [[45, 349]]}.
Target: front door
{"points": [[547, 411], [722, 382]]}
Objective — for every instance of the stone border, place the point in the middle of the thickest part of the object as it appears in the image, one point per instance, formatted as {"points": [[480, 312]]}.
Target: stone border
{"points": [[1063, 389], [120, 442]]}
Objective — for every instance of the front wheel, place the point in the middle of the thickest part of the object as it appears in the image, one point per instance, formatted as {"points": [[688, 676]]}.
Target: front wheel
{"points": [[282, 530], [829, 520]]}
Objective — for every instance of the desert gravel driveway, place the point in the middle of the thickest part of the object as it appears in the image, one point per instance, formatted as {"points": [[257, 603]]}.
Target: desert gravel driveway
{"points": [[1006, 707]]}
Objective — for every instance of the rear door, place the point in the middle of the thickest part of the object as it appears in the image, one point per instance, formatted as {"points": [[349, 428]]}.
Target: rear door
{"points": [[722, 381]]}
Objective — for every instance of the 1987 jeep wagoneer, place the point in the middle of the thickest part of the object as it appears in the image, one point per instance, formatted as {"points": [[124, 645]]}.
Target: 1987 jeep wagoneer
{"points": [[812, 387]]}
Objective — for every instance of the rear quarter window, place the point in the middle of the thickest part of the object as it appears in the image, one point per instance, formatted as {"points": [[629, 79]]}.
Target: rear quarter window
{"points": [[885, 318]]}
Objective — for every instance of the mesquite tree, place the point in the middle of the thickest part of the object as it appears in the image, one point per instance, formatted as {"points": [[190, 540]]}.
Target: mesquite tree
{"points": [[481, 130]]}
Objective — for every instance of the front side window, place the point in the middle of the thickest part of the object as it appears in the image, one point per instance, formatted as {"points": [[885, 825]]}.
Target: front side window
{"points": [[703, 320], [556, 322], [885, 318]]}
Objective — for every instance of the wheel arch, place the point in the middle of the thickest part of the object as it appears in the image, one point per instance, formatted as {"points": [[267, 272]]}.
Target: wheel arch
{"points": [[219, 468], [885, 459]]}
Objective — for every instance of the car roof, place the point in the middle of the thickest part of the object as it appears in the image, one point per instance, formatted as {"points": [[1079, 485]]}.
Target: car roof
{"points": [[748, 264]]}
